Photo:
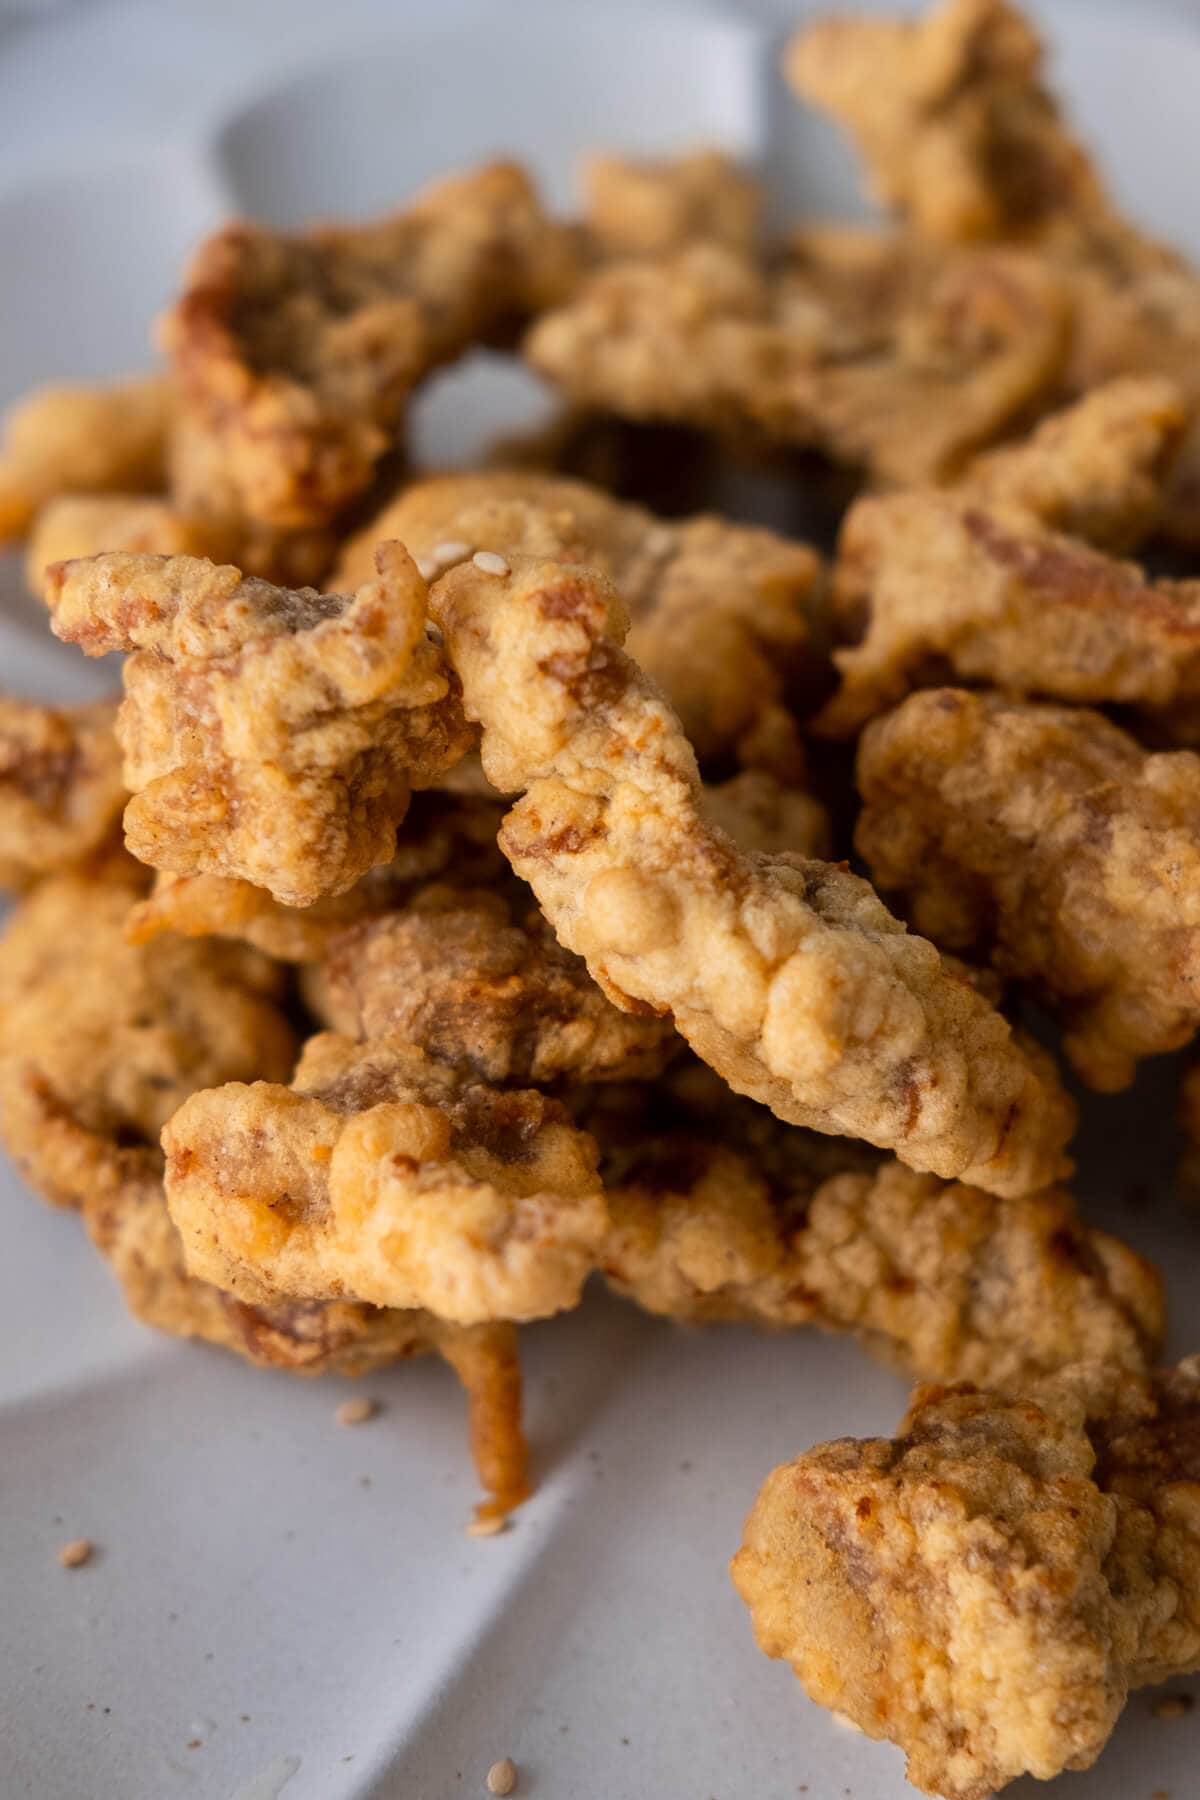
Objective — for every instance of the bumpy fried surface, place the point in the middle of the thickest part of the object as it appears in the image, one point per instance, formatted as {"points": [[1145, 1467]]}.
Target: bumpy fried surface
{"points": [[1049, 838], [729, 619], [787, 976], [985, 581], [67, 440], [61, 791], [880, 350], [442, 833], [721, 1212], [269, 735], [100, 1041], [763, 816], [987, 1587], [77, 525], [383, 1176], [646, 207], [298, 350], [490, 995]]}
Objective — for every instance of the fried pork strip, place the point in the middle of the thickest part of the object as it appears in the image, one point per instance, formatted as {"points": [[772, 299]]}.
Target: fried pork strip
{"points": [[61, 791], [66, 440]]}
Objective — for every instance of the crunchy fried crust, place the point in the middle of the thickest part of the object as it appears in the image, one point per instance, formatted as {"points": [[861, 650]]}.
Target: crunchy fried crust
{"points": [[78, 525], [644, 207], [985, 581], [269, 735], [382, 1176], [488, 993], [64, 440], [729, 619], [101, 1041], [880, 350], [987, 1587], [763, 816], [61, 791], [298, 350], [788, 976], [721, 1212], [1049, 838]]}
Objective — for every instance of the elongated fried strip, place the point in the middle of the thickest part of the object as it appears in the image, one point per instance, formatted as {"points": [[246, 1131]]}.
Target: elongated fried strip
{"points": [[61, 791], [986, 1588], [298, 351], [787, 975], [381, 1176], [66, 440], [269, 735], [644, 207]]}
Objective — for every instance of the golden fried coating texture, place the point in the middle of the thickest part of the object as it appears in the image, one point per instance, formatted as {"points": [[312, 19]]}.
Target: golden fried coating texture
{"points": [[61, 791], [298, 350], [985, 581], [66, 440], [78, 525], [721, 1212], [729, 619], [763, 816], [885, 352], [269, 735], [381, 1175], [788, 976], [100, 1040], [1048, 837], [987, 1587], [645, 207]]}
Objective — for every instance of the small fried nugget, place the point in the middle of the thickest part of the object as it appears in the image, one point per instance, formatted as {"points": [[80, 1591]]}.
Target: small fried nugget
{"points": [[69, 440], [788, 976], [987, 1587], [61, 792], [721, 1212], [730, 619], [270, 735], [644, 207], [298, 350], [383, 1176]]}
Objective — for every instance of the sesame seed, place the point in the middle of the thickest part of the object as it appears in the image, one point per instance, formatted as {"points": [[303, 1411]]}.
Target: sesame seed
{"points": [[427, 568], [487, 1524], [488, 563], [452, 551], [76, 1553], [1173, 1706], [357, 1411], [502, 1776]]}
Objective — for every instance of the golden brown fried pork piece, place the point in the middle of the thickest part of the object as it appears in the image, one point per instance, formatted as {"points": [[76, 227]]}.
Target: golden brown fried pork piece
{"points": [[61, 791], [721, 1212], [66, 440], [985, 581], [646, 207], [788, 976], [78, 525], [884, 352], [986, 1588], [270, 735], [728, 618], [299, 350], [1049, 838], [383, 1176]]}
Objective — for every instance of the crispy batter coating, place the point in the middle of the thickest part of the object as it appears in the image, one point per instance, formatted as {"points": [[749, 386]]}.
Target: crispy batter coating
{"points": [[269, 735], [382, 1176], [299, 350], [78, 525], [987, 1587], [1050, 839], [721, 1212], [489, 993], [61, 791], [763, 816], [729, 619], [645, 207], [66, 440], [100, 1040], [882, 351], [788, 976], [985, 581]]}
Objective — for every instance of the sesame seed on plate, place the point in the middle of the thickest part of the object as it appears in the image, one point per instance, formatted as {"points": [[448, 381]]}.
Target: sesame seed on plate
{"points": [[502, 1776], [76, 1553], [357, 1410]]}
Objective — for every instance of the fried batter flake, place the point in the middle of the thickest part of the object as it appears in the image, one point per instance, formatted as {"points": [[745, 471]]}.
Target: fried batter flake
{"points": [[269, 735], [383, 1176], [645, 207], [61, 791], [68, 440], [986, 1588], [730, 619], [787, 975], [298, 351], [1048, 838]]}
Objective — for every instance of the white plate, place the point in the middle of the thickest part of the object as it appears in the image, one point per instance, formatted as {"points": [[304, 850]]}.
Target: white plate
{"points": [[299, 1602]]}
